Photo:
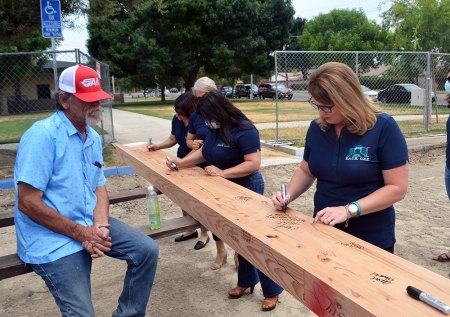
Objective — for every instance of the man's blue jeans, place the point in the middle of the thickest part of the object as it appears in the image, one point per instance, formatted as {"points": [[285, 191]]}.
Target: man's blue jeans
{"points": [[447, 181], [68, 278]]}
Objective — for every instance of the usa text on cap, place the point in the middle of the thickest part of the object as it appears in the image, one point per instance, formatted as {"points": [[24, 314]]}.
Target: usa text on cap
{"points": [[83, 82]]}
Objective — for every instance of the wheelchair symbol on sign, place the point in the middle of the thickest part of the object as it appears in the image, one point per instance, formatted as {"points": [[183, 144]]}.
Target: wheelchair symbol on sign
{"points": [[49, 9]]}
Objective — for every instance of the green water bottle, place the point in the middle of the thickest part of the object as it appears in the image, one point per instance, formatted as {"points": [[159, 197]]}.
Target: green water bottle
{"points": [[153, 208]]}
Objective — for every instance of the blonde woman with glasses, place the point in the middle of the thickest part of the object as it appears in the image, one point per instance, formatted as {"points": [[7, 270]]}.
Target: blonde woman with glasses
{"points": [[357, 155]]}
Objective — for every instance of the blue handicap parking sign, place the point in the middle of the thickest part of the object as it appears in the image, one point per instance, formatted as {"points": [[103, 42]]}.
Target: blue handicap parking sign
{"points": [[51, 18]]}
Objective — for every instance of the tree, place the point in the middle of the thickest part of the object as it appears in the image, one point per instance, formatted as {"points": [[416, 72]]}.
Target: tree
{"points": [[117, 38], [299, 60], [419, 25], [20, 31], [160, 41], [344, 30]]}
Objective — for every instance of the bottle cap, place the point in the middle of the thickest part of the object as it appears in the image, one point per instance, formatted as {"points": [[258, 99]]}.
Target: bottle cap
{"points": [[150, 188]]}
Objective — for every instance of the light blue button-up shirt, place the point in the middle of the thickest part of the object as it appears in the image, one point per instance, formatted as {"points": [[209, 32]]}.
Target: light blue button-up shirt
{"points": [[53, 158]]}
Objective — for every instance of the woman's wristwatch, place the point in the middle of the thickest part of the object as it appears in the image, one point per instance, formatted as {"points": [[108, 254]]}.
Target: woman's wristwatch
{"points": [[354, 210]]}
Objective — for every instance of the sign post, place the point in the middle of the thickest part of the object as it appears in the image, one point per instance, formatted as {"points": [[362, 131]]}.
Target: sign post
{"points": [[51, 27]]}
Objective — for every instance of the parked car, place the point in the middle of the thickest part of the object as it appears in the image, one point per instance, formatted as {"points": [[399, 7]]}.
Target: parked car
{"points": [[173, 90], [270, 90], [372, 94], [400, 93], [149, 91], [227, 91], [245, 90], [152, 91]]}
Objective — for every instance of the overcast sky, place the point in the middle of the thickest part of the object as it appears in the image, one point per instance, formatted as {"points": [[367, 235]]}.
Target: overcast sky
{"points": [[307, 9]]}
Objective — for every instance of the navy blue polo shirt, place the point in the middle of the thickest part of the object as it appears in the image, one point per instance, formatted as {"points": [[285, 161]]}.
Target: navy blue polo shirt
{"points": [[180, 133], [197, 126], [244, 141], [350, 167]]}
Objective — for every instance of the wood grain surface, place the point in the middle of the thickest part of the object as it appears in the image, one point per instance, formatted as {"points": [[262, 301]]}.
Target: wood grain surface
{"points": [[331, 272]]}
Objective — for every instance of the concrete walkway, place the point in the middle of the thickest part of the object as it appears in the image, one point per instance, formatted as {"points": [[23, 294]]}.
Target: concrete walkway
{"points": [[133, 127]]}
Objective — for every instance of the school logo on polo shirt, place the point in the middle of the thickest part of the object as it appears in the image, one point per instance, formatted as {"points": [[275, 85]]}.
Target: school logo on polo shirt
{"points": [[358, 153], [220, 143]]}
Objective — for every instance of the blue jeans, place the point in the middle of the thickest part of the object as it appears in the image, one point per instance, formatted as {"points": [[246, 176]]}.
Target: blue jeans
{"points": [[68, 278], [248, 274], [447, 181]]}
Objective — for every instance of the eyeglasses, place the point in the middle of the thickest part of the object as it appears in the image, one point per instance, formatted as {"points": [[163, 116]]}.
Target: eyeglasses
{"points": [[326, 109]]}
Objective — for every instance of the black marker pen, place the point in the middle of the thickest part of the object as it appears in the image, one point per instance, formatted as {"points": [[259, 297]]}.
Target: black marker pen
{"points": [[424, 297], [172, 164]]}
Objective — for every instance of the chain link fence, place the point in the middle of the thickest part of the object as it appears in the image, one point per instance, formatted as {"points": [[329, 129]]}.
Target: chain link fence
{"points": [[407, 85], [28, 82]]}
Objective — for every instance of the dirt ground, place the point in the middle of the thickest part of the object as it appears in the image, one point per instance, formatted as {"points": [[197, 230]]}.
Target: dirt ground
{"points": [[184, 284]]}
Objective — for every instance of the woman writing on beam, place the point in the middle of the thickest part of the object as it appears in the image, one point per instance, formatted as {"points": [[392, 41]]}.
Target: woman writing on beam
{"points": [[232, 150], [358, 156]]}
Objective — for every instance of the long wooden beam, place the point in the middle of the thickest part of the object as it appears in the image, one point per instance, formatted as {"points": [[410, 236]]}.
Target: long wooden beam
{"points": [[329, 271]]}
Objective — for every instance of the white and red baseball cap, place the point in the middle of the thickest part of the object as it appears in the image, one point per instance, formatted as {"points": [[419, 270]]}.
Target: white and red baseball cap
{"points": [[83, 82]]}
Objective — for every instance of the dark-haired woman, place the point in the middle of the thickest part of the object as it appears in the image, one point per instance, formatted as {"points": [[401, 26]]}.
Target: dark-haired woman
{"points": [[184, 107], [233, 151]]}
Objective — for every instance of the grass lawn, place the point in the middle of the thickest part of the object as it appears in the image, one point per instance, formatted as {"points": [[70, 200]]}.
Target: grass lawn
{"points": [[262, 111], [258, 110], [12, 127], [410, 128]]}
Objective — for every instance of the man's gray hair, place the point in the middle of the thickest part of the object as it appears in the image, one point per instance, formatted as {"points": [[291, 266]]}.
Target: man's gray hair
{"points": [[58, 102]]}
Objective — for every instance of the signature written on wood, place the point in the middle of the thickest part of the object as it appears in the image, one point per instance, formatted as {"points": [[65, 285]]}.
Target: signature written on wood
{"points": [[352, 245], [285, 221], [383, 279]]}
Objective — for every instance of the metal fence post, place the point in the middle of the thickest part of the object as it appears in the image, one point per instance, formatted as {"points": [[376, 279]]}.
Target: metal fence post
{"points": [[357, 64], [428, 99], [276, 100], [77, 56], [55, 71]]}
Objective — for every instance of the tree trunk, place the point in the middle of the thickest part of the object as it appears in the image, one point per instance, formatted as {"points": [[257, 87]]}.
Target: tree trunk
{"points": [[3, 100], [191, 77], [163, 92]]}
